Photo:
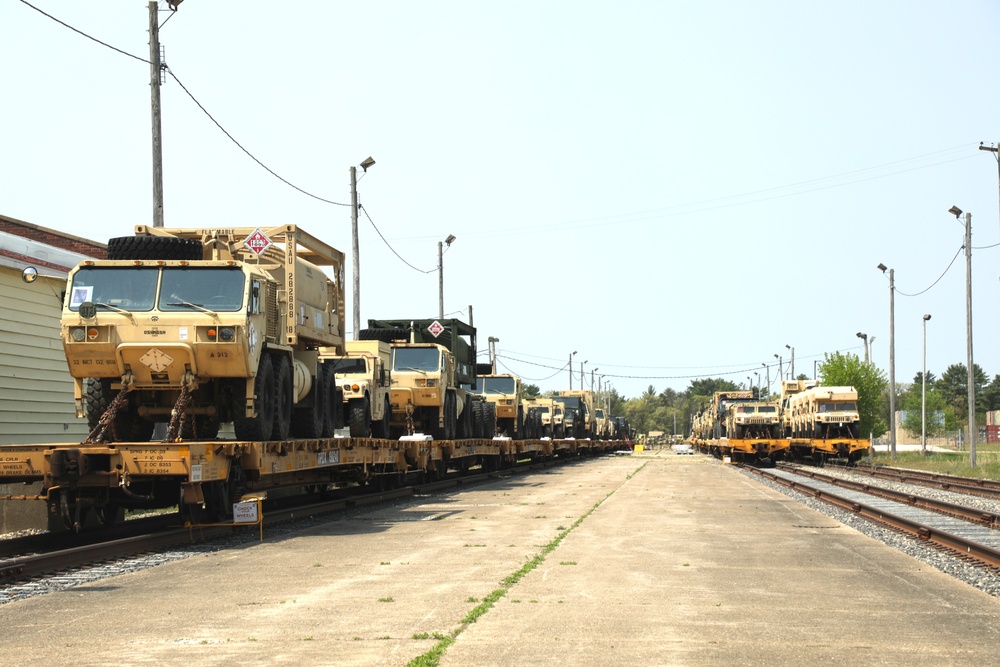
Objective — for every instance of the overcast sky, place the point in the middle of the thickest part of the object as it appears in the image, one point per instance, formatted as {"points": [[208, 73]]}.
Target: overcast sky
{"points": [[674, 190]]}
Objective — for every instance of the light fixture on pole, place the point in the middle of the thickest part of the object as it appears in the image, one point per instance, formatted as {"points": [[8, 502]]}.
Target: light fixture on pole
{"points": [[781, 372], [570, 367], [957, 212], [757, 376], [493, 354], [355, 265], [448, 241], [581, 371], [767, 372], [923, 394], [592, 370], [864, 343], [791, 364], [892, 357]]}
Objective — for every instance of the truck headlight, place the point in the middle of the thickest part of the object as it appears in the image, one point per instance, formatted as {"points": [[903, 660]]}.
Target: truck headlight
{"points": [[78, 334]]}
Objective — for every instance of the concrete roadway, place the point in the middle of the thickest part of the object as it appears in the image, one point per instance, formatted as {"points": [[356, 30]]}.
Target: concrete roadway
{"points": [[674, 563]]}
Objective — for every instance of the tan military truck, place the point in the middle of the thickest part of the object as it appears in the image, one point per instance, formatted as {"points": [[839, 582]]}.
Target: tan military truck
{"points": [[543, 418], [433, 364], [604, 428], [825, 412], [788, 389], [506, 394], [196, 327], [754, 419], [363, 378], [578, 405]]}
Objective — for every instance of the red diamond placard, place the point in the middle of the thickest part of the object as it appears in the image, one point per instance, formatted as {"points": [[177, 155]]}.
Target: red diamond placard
{"points": [[435, 328], [258, 241]]}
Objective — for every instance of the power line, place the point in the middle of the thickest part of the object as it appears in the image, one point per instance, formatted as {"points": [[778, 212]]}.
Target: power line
{"points": [[389, 246], [960, 248], [193, 99]]}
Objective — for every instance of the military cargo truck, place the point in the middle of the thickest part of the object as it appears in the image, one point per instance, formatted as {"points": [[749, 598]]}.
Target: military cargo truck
{"points": [[196, 327], [579, 419], [825, 412], [754, 419], [505, 393], [433, 363]]}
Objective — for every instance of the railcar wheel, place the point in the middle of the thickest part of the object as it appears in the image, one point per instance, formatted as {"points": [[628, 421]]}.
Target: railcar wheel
{"points": [[217, 506], [282, 399], [259, 427]]}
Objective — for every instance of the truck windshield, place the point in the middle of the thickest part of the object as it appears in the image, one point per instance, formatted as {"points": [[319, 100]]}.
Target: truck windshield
{"points": [[130, 288], [415, 359], [215, 288], [348, 366], [571, 403], [496, 385]]}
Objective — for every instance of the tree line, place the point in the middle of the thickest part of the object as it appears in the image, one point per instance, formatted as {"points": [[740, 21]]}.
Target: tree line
{"points": [[671, 411]]}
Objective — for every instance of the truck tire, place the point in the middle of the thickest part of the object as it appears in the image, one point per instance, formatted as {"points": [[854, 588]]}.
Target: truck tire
{"points": [[128, 426], [477, 419], [200, 427], [360, 418], [282, 398], [259, 427], [308, 420], [333, 416], [384, 335], [465, 426], [154, 247], [380, 428], [490, 420]]}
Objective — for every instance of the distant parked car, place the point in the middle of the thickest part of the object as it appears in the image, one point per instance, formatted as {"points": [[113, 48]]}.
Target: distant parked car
{"points": [[682, 448]]}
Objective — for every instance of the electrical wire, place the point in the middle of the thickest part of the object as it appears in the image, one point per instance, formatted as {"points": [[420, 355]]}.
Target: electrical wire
{"points": [[193, 99], [960, 248], [387, 245]]}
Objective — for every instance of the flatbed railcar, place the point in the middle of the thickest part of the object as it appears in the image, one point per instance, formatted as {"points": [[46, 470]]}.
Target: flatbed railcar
{"points": [[816, 450], [204, 478]]}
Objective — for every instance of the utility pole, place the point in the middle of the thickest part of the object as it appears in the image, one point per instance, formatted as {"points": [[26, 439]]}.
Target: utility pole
{"points": [[996, 154], [154, 88], [968, 335], [892, 362]]}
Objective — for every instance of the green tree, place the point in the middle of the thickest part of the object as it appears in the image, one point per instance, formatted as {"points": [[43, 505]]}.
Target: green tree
{"points": [[954, 386], [531, 390], [991, 394], [848, 370], [912, 404]]}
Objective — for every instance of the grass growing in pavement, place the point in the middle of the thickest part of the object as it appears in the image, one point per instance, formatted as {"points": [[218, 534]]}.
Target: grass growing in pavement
{"points": [[433, 657]]}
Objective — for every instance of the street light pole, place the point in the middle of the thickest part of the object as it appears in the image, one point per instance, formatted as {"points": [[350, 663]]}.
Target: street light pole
{"points": [[356, 263], [864, 343], [791, 364], [448, 241], [570, 367], [923, 394], [892, 358], [581, 372], [957, 212]]}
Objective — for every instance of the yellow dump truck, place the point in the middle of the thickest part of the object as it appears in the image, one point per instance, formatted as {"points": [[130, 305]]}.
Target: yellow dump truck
{"points": [[196, 327]]}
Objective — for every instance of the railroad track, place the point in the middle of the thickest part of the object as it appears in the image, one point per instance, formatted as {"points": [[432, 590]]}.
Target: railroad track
{"points": [[63, 554], [973, 537], [987, 488]]}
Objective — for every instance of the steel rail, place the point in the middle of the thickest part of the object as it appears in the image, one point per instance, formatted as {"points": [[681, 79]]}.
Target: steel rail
{"points": [[987, 488], [982, 517], [961, 546]]}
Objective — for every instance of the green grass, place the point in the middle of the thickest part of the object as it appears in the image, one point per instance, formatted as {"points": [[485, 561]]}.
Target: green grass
{"points": [[949, 463]]}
